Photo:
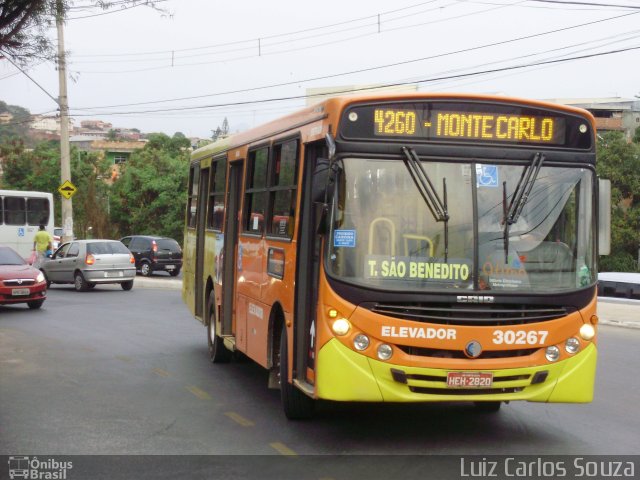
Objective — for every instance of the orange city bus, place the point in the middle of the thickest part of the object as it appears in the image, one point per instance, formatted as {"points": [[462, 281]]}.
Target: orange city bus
{"points": [[403, 248]]}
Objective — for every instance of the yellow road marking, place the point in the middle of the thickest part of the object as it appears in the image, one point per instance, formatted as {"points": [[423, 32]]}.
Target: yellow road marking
{"points": [[124, 358], [239, 419], [282, 449], [161, 373], [201, 394]]}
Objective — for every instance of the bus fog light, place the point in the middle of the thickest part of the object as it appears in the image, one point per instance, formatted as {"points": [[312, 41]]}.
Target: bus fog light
{"points": [[385, 351], [361, 342], [341, 326], [572, 345], [552, 353], [587, 331]]}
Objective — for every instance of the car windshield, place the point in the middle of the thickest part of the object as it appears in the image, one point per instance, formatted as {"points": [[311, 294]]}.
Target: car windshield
{"points": [[106, 248], [385, 235], [10, 257]]}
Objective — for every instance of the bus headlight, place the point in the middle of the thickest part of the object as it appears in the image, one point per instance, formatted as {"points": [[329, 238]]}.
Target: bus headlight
{"points": [[341, 326], [587, 331], [553, 353], [572, 345], [361, 342], [385, 351]]}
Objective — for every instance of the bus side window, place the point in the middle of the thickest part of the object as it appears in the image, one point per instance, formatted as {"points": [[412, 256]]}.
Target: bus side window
{"points": [[256, 191], [192, 202], [215, 211], [15, 211], [37, 211], [283, 189]]}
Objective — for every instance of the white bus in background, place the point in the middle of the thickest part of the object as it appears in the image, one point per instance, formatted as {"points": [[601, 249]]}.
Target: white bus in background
{"points": [[21, 214]]}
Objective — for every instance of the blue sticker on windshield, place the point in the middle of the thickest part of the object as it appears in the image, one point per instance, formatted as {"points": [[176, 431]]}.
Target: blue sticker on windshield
{"points": [[487, 175], [344, 238]]}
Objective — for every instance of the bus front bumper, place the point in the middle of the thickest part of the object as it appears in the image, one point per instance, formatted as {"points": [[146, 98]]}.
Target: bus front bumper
{"points": [[345, 375]]}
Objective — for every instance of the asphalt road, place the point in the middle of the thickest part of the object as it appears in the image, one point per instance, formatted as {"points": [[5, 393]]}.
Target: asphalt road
{"points": [[114, 372]]}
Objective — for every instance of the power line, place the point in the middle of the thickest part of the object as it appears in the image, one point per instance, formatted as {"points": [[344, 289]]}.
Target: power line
{"points": [[264, 37], [397, 84], [363, 70], [590, 4], [6, 55], [122, 9]]}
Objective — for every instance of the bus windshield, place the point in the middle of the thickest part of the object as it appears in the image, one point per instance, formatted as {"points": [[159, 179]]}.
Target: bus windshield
{"points": [[384, 233]]}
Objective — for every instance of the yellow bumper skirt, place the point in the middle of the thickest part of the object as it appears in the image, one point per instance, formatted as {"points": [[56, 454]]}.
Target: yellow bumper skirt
{"points": [[345, 375]]}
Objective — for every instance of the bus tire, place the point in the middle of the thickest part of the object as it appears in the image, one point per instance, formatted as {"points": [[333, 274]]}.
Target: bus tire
{"points": [[218, 353], [487, 407], [296, 405]]}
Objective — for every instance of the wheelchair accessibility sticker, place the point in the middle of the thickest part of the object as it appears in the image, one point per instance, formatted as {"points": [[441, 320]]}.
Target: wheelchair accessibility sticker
{"points": [[487, 175], [21, 231], [344, 238]]}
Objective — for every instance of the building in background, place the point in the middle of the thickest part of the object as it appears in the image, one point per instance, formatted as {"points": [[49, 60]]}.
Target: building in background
{"points": [[612, 114]]}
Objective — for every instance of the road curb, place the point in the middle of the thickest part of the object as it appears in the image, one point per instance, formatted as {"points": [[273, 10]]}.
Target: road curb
{"points": [[158, 283]]}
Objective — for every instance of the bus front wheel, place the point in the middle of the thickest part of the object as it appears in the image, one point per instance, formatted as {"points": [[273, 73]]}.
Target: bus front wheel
{"points": [[296, 405]]}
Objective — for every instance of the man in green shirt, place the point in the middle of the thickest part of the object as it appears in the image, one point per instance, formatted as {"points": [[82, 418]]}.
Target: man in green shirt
{"points": [[41, 243]]}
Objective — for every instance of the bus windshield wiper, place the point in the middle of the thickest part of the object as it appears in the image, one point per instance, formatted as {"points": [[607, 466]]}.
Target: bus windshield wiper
{"points": [[437, 206], [520, 197]]}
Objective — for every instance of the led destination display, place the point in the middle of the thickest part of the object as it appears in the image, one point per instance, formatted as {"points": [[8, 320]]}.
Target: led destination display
{"points": [[469, 125], [467, 122]]}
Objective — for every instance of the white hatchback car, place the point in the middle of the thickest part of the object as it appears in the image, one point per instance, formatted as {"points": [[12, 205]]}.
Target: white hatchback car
{"points": [[86, 263]]}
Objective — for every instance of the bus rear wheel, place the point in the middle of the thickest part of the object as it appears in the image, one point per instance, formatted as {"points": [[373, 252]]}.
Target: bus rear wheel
{"points": [[296, 405], [218, 353]]}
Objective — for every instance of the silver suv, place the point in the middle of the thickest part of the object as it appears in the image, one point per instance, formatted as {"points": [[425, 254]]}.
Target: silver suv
{"points": [[85, 263]]}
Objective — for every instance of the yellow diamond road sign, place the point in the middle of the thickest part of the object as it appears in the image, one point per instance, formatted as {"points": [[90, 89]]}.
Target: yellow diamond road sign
{"points": [[67, 189]]}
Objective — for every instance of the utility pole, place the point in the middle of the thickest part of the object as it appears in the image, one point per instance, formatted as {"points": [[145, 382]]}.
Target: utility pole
{"points": [[65, 160]]}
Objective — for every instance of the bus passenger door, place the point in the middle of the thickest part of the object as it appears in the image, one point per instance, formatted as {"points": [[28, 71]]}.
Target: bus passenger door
{"points": [[307, 271], [230, 242], [201, 220]]}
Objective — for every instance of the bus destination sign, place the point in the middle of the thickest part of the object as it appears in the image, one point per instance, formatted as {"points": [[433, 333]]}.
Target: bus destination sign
{"points": [[480, 126], [449, 121]]}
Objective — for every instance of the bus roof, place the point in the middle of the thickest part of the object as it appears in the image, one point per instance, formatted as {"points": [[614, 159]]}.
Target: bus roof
{"points": [[335, 105]]}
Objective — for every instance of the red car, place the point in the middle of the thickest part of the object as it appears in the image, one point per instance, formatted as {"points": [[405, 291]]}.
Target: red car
{"points": [[19, 281]]}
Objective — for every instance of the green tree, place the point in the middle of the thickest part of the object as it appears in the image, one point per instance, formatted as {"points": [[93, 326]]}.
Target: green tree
{"points": [[23, 28], [39, 170], [149, 197], [18, 126], [619, 161], [112, 135]]}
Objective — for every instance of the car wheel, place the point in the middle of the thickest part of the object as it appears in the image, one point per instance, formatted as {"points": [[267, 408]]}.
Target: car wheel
{"points": [[80, 283], [296, 405], [174, 273], [218, 353], [128, 285], [46, 278], [487, 407], [145, 269], [36, 304]]}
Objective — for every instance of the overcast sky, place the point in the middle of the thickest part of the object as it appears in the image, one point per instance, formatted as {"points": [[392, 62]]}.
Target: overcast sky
{"points": [[125, 64]]}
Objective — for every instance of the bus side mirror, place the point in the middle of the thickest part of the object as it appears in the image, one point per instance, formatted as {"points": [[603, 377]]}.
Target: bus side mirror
{"points": [[604, 217]]}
